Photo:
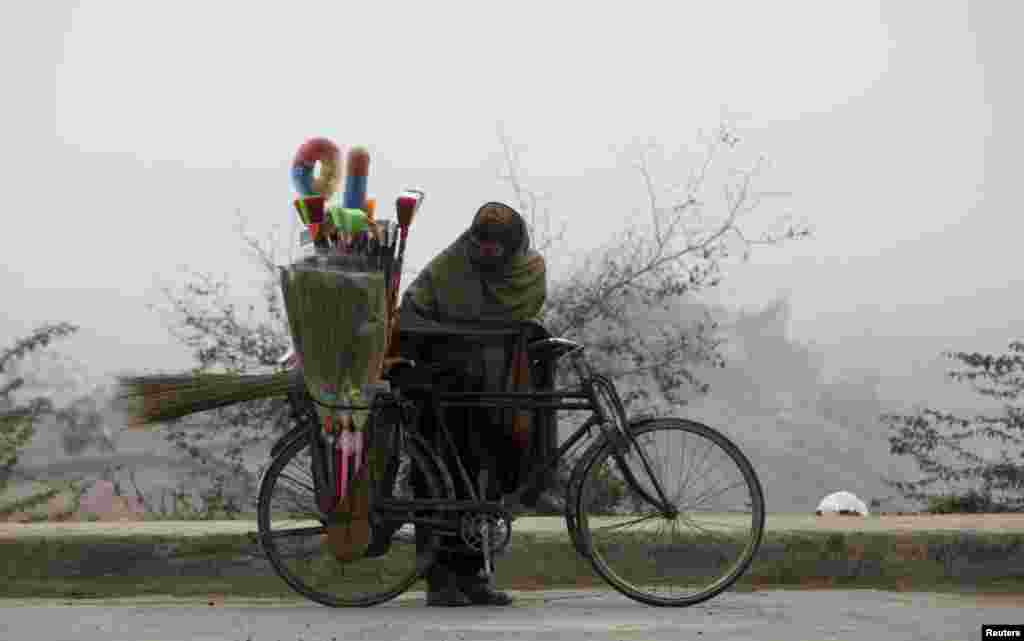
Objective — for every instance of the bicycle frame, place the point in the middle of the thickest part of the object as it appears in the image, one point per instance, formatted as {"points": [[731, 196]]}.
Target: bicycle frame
{"points": [[582, 399], [512, 400], [479, 526], [565, 400]]}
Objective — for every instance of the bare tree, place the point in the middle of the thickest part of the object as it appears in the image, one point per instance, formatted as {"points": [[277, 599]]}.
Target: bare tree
{"points": [[944, 446], [202, 315], [607, 301], [611, 297], [20, 416]]}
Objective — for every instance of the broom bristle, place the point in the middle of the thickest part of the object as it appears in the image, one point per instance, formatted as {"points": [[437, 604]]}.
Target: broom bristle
{"points": [[342, 313], [158, 398]]}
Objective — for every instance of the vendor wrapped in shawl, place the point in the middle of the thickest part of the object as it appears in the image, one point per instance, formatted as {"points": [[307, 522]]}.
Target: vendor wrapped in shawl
{"points": [[489, 274]]}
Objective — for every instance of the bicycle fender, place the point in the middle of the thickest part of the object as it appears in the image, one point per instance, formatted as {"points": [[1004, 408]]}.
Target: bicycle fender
{"points": [[287, 439], [579, 470]]}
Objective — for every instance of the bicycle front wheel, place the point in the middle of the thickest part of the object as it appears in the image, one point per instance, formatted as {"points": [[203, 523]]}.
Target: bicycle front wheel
{"points": [[678, 554], [293, 534]]}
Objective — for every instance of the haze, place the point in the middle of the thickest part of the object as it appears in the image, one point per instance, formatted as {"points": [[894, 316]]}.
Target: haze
{"points": [[134, 131]]}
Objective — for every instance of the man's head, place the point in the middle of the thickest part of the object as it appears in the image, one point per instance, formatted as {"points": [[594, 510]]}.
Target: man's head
{"points": [[495, 235]]}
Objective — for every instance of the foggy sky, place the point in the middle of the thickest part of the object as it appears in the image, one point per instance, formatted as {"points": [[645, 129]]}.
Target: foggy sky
{"points": [[134, 131]]}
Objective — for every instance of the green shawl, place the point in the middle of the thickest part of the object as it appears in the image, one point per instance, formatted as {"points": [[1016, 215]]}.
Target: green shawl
{"points": [[453, 289]]}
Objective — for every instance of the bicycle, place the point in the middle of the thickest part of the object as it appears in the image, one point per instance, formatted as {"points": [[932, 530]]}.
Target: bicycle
{"points": [[617, 459]]}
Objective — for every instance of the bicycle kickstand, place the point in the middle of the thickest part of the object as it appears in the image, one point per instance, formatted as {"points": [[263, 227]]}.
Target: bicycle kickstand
{"points": [[485, 530]]}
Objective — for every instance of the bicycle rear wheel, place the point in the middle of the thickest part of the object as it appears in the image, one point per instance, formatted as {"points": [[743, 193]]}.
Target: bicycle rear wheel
{"points": [[695, 551], [292, 531]]}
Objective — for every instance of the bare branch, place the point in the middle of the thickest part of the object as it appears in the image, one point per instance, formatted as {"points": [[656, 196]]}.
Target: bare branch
{"points": [[528, 200], [681, 253]]}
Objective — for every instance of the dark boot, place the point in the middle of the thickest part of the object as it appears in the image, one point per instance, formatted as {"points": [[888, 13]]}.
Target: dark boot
{"points": [[480, 591], [443, 589]]}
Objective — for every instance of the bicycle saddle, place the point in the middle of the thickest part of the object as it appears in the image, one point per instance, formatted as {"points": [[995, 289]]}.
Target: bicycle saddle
{"points": [[552, 348]]}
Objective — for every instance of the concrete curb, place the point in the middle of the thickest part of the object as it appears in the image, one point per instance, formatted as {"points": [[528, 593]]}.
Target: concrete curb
{"points": [[841, 549]]}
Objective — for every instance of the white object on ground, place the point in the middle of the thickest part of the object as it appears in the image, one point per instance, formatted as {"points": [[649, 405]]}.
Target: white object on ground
{"points": [[839, 502]]}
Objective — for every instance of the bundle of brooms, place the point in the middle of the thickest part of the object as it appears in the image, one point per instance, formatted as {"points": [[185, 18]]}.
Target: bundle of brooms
{"points": [[338, 317], [160, 398], [341, 307], [157, 398]]}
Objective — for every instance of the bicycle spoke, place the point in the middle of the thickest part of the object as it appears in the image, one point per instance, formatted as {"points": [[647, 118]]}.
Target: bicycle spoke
{"points": [[689, 470], [703, 530], [296, 543], [648, 472], [293, 500], [628, 523], [705, 547], [304, 486], [702, 497], [703, 460]]}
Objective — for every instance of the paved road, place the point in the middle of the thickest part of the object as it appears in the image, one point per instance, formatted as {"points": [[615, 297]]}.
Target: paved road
{"points": [[572, 616], [966, 523]]}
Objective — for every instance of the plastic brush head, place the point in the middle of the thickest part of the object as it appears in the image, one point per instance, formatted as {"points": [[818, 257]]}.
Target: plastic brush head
{"points": [[311, 209], [358, 161], [406, 206]]}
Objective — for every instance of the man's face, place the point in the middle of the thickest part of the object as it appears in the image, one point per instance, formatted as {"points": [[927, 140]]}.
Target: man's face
{"points": [[489, 252], [489, 248], [495, 236]]}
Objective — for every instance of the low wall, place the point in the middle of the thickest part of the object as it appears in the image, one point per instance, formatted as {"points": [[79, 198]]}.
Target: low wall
{"points": [[883, 552]]}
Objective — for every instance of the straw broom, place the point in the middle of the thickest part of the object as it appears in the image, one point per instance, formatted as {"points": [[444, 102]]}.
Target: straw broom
{"points": [[165, 397], [341, 313], [158, 398], [337, 313], [342, 306], [153, 399]]}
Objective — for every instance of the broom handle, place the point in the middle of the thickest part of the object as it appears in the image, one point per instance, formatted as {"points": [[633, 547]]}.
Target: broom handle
{"points": [[392, 353], [406, 207]]}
